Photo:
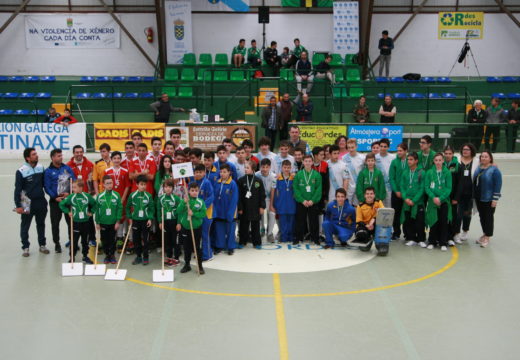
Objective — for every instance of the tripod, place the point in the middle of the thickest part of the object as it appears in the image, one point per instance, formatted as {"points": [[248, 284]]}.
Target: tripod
{"points": [[463, 55]]}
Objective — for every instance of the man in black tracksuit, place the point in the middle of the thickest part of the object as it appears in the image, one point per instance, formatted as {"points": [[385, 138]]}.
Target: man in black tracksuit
{"points": [[272, 59], [163, 108], [251, 205]]}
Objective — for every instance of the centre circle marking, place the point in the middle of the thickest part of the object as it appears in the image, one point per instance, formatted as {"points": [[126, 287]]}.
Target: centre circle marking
{"points": [[453, 260]]}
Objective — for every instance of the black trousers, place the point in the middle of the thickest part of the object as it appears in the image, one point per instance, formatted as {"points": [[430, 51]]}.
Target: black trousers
{"points": [[511, 135], [91, 229], [454, 225], [140, 236], [475, 135], [172, 245], [246, 234], [271, 134], [292, 61], [56, 215], [311, 214], [40, 214], [108, 238], [439, 231], [80, 230], [188, 245], [414, 228], [275, 64], [284, 132], [464, 211], [495, 131], [487, 217], [397, 205]]}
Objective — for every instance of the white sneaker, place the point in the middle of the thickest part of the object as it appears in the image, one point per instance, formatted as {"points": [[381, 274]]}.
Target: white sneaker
{"points": [[464, 236], [25, 252], [429, 247], [458, 240], [44, 249], [422, 244], [444, 248], [451, 243], [410, 243]]}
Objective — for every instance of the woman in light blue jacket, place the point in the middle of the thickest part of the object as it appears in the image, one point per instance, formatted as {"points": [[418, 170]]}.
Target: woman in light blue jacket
{"points": [[487, 186]]}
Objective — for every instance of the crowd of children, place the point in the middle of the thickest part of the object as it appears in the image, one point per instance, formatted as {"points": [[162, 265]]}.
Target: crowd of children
{"points": [[314, 195]]}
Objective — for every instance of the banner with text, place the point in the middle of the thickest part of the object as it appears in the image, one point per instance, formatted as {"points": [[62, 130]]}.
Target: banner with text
{"points": [[220, 5], [178, 30], [460, 25], [366, 135], [208, 137], [319, 135], [116, 134], [91, 31], [15, 137], [346, 27]]}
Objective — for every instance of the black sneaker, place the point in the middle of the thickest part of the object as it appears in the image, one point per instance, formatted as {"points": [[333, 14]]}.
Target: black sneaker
{"points": [[87, 260], [328, 247], [138, 260], [57, 249], [295, 242], [217, 251], [230, 252], [185, 269], [201, 271], [146, 261]]}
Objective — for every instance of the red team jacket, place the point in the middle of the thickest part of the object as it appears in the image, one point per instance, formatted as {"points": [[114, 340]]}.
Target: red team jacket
{"points": [[139, 166]]}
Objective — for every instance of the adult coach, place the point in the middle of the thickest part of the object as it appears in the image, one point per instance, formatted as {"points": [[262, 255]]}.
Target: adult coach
{"points": [[163, 108], [29, 199], [296, 142], [386, 44]]}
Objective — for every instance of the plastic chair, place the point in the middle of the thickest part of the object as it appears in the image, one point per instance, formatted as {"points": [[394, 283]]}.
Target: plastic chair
{"points": [[449, 95], [188, 74], [339, 75], [509, 79], [339, 92], [118, 79], [236, 75], [317, 58], [86, 79], [356, 92], [170, 91], [22, 112], [498, 95], [131, 95], [48, 79], [146, 95], [189, 59], [287, 74], [400, 96], [148, 79], [353, 75], [220, 75], [185, 91], [417, 96], [99, 96], [381, 79], [32, 78], [10, 95], [102, 79], [205, 60], [116, 95], [349, 59], [434, 96], [203, 74], [83, 95], [6, 112], [39, 112], [4, 78], [382, 96], [16, 79], [221, 60], [28, 95], [43, 95], [493, 79], [171, 74], [336, 60], [428, 79], [513, 96], [397, 80], [134, 79], [443, 79]]}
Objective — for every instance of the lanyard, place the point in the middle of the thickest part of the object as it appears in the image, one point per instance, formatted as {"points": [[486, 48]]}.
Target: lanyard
{"points": [[439, 177], [108, 201], [340, 213], [141, 164], [305, 176], [403, 164], [248, 184], [412, 173], [370, 178], [116, 175], [425, 160], [157, 159], [287, 182], [221, 187]]}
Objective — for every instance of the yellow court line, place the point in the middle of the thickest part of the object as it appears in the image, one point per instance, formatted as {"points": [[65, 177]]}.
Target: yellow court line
{"points": [[280, 318]]}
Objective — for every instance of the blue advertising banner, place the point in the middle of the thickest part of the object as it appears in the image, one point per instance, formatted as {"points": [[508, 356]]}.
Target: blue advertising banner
{"points": [[367, 134], [178, 30]]}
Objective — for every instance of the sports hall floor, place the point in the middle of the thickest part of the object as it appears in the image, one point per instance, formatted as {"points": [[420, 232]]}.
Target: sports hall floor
{"points": [[413, 304]]}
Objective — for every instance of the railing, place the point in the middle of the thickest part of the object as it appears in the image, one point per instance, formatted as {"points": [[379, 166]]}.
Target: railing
{"points": [[33, 106]]}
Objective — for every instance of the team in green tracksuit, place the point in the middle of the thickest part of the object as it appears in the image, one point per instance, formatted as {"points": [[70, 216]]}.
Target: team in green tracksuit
{"points": [[81, 205], [438, 184], [239, 50], [397, 167], [412, 217], [253, 56], [167, 205], [302, 180], [198, 208], [140, 209], [109, 210], [426, 161], [307, 186], [298, 51], [375, 179]]}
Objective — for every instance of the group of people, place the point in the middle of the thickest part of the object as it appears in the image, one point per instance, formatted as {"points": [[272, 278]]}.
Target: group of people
{"points": [[327, 191]]}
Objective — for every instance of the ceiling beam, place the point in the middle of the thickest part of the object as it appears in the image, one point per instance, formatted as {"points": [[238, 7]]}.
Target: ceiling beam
{"points": [[14, 15], [508, 12]]}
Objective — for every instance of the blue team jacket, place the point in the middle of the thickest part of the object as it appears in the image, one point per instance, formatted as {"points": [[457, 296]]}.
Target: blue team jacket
{"points": [[212, 176], [284, 202], [52, 176], [348, 215], [29, 180], [234, 174], [206, 194], [226, 200]]}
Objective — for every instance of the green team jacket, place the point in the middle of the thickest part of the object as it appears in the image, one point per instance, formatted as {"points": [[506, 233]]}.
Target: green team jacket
{"points": [[80, 204], [109, 208], [437, 186], [199, 213], [253, 53], [140, 201], [412, 187], [300, 186], [397, 166], [159, 181], [378, 183], [298, 51], [426, 162], [238, 50], [169, 203]]}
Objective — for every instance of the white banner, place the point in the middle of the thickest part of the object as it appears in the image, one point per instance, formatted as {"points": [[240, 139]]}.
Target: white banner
{"points": [[346, 27], [178, 30], [91, 31], [44, 137], [220, 5]]}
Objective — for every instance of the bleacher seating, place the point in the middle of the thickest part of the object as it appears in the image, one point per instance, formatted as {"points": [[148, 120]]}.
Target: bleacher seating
{"points": [[32, 78], [16, 79], [48, 79], [205, 60], [189, 59], [188, 74], [356, 92], [102, 79], [22, 112], [118, 79], [134, 79], [10, 95], [353, 75], [221, 60], [87, 79], [500, 96], [43, 95], [428, 80], [27, 95]]}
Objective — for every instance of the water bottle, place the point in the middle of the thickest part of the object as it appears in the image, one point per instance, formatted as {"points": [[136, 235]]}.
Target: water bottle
{"points": [[194, 115]]}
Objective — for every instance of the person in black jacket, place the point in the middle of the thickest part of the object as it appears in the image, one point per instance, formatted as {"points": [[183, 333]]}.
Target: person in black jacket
{"points": [[323, 70], [386, 44], [272, 59], [163, 108], [477, 115], [303, 73], [29, 199], [513, 119], [304, 109], [272, 120], [452, 164], [251, 206]]}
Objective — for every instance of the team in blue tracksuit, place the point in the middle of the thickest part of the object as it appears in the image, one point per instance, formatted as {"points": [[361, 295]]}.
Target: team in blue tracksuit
{"points": [[339, 220], [29, 179], [224, 213], [285, 206], [212, 175], [206, 194], [232, 166]]}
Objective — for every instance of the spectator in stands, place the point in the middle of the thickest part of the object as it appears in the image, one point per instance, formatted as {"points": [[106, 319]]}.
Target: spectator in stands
{"points": [[285, 57], [387, 110], [239, 53], [477, 115], [495, 116], [286, 106], [304, 109], [296, 53], [386, 44], [361, 113], [513, 119], [271, 120], [51, 115], [272, 59], [303, 73], [163, 108], [296, 142], [253, 55], [323, 70], [66, 119]]}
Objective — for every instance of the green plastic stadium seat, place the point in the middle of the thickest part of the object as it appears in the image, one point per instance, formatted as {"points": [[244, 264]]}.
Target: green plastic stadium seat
{"points": [[236, 75], [189, 59], [220, 75], [185, 91], [349, 58], [287, 74], [339, 92], [171, 91], [317, 58], [205, 60], [336, 60], [188, 74], [171, 74], [203, 74], [340, 77], [221, 60], [356, 92], [353, 75]]}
